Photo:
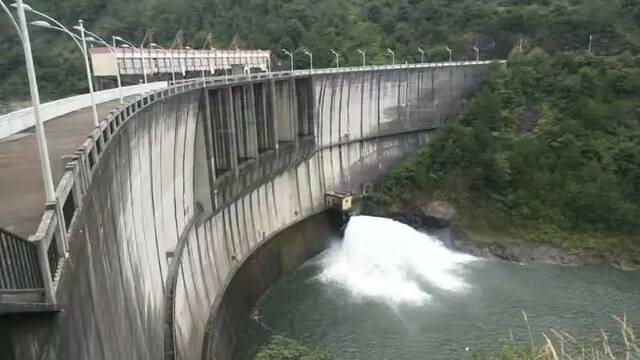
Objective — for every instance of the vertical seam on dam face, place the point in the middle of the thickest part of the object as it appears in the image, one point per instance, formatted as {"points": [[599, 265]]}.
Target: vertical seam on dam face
{"points": [[151, 137], [130, 242], [138, 237], [270, 150]]}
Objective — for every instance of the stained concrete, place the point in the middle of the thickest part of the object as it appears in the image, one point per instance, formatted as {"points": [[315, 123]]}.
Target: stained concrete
{"points": [[173, 154], [282, 253]]}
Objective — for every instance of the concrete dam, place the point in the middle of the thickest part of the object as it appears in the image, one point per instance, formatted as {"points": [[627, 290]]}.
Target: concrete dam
{"points": [[187, 204]]}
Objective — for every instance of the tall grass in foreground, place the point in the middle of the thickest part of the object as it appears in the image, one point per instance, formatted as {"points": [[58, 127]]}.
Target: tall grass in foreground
{"points": [[559, 345]]}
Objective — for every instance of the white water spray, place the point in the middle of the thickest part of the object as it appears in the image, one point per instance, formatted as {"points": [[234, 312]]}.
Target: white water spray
{"points": [[385, 259]]}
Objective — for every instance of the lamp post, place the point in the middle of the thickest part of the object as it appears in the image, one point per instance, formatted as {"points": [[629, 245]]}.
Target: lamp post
{"points": [[133, 57], [310, 54], [83, 49], [287, 52], [23, 34], [364, 57], [186, 61], [99, 40], [173, 73], [477, 50], [450, 53], [88, 68], [47, 177], [204, 79], [335, 53], [421, 55], [590, 44], [144, 69], [393, 56]]}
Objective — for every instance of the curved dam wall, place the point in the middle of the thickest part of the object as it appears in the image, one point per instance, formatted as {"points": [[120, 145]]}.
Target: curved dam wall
{"points": [[362, 124], [193, 184], [250, 222]]}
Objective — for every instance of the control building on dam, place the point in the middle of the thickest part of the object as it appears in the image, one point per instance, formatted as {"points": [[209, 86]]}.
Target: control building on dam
{"points": [[185, 205]]}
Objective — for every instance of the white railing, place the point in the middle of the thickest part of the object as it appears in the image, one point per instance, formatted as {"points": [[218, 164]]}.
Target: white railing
{"points": [[23, 119], [306, 72]]}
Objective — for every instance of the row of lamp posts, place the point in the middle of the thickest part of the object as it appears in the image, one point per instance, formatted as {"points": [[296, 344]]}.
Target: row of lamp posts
{"points": [[363, 53], [80, 40], [21, 27]]}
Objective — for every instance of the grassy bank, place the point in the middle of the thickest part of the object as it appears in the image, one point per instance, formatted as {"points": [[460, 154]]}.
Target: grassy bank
{"points": [[284, 348], [555, 344], [548, 152]]}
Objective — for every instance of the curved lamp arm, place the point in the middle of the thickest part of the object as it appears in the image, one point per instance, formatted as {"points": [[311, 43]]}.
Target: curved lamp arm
{"points": [[99, 40], [125, 41], [13, 20], [73, 36], [59, 28]]}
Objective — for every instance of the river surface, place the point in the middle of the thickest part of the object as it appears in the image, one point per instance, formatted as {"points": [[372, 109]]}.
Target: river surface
{"points": [[387, 291]]}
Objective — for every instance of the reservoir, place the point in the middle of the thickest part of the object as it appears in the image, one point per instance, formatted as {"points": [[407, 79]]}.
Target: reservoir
{"points": [[387, 291]]}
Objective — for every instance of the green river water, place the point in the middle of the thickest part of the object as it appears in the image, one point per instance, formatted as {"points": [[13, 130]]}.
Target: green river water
{"points": [[386, 291]]}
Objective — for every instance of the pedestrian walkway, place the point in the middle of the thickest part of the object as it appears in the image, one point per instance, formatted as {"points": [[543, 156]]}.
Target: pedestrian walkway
{"points": [[21, 187]]}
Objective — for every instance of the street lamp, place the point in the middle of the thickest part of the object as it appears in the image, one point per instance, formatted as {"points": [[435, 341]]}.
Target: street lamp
{"points": [[141, 49], [287, 52], [98, 39], [421, 55], [80, 27], [310, 54], [335, 53], [23, 34], [204, 79], [477, 53], [133, 56], [364, 57], [393, 56], [173, 74], [47, 177], [450, 53], [186, 63], [83, 49]]}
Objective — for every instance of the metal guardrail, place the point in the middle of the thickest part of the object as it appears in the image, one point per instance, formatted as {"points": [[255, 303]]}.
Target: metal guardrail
{"points": [[50, 242], [19, 266], [19, 120], [307, 72]]}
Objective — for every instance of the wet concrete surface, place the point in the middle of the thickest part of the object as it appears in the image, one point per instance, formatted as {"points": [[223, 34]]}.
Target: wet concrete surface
{"points": [[21, 188]]}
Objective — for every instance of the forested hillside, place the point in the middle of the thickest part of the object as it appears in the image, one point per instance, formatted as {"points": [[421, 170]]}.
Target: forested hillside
{"points": [[494, 25], [548, 152]]}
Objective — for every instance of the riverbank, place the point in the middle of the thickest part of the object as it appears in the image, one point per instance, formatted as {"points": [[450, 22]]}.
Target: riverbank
{"points": [[457, 233]]}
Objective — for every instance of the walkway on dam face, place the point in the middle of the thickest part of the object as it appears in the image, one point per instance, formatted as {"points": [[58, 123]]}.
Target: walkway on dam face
{"points": [[22, 200]]}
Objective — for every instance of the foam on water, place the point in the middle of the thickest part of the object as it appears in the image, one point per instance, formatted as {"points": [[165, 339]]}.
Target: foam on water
{"points": [[385, 259]]}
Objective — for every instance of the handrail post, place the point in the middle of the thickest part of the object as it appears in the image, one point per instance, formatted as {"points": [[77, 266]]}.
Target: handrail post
{"points": [[45, 271]]}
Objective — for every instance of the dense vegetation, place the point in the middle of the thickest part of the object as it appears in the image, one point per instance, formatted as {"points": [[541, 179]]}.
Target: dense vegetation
{"points": [[284, 348], [549, 151], [374, 25], [552, 345]]}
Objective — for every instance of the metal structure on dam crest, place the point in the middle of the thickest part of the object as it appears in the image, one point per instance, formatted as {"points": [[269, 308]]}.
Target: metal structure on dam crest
{"points": [[173, 191]]}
